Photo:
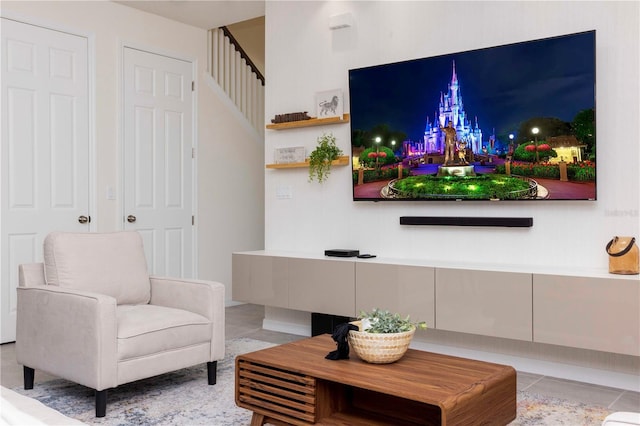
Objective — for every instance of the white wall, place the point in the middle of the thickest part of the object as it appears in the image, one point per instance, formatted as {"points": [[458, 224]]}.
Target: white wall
{"points": [[303, 57], [230, 181]]}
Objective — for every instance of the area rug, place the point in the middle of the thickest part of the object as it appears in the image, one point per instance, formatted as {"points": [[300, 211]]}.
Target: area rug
{"points": [[536, 410], [184, 398]]}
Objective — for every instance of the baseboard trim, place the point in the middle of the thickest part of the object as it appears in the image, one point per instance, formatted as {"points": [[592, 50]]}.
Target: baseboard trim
{"points": [[545, 368], [558, 370], [286, 327]]}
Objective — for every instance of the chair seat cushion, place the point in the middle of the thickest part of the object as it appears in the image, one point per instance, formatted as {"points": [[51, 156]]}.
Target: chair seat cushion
{"points": [[149, 329]]}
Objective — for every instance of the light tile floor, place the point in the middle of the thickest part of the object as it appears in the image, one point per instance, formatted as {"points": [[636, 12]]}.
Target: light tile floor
{"points": [[246, 321]]}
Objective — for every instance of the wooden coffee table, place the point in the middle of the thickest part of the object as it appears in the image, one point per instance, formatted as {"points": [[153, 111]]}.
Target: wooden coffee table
{"points": [[293, 384]]}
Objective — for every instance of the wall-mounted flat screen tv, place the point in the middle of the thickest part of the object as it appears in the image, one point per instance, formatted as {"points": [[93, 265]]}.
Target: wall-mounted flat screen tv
{"points": [[511, 122]]}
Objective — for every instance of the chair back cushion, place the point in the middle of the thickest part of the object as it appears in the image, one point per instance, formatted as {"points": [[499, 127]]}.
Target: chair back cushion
{"points": [[107, 263]]}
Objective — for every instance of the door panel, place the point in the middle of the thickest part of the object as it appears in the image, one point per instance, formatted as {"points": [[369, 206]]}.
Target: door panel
{"points": [[45, 146], [158, 164]]}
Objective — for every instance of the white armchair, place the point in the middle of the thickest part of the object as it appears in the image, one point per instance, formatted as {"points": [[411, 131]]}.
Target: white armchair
{"points": [[91, 314]]}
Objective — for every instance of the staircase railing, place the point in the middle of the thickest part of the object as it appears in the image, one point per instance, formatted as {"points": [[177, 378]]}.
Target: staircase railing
{"points": [[237, 75]]}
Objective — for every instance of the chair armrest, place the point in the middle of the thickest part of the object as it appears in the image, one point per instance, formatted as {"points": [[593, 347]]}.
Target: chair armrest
{"points": [[199, 296], [30, 274], [69, 333]]}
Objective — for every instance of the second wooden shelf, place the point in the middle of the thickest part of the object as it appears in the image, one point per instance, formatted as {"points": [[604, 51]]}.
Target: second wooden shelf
{"points": [[341, 161]]}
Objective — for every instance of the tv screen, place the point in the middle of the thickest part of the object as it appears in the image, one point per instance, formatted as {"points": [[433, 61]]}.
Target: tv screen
{"points": [[511, 122]]}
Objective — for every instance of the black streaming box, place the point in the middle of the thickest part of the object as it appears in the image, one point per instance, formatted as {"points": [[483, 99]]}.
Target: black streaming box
{"points": [[342, 253]]}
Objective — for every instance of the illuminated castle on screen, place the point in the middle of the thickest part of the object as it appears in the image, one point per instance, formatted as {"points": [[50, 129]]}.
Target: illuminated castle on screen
{"points": [[451, 109]]}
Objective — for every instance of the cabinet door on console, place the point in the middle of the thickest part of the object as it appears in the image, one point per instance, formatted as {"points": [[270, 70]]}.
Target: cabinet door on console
{"points": [[323, 286], [407, 290], [602, 314], [484, 302], [260, 279]]}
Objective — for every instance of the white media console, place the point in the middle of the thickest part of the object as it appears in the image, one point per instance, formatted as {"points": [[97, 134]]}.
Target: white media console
{"points": [[591, 310]]}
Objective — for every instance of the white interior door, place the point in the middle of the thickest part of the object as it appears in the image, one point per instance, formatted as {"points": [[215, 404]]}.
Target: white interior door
{"points": [[158, 163], [45, 147]]}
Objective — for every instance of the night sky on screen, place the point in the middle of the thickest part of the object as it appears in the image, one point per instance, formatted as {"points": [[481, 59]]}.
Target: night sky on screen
{"points": [[501, 86]]}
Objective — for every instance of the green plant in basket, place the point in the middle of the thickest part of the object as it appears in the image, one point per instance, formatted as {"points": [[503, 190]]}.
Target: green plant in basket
{"points": [[320, 158], [382, 321]]}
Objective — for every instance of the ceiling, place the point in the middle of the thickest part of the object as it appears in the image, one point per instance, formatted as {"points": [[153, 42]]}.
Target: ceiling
{"points": [[204, 14]]}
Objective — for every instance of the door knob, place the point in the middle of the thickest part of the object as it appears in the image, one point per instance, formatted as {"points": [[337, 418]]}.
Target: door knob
{"points": [[131, 218], [84, 219]]}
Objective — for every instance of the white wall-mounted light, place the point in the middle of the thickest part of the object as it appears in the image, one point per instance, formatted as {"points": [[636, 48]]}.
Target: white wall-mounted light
{"points": [[343, 20]]}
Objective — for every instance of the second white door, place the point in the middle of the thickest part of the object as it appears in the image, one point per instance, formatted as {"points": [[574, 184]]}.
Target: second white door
{"points": [[158, 159]]}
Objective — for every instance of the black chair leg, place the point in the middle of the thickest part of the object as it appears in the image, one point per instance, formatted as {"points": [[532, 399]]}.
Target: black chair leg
{"points": [[212, 371], [29, 374], [101, 403]]}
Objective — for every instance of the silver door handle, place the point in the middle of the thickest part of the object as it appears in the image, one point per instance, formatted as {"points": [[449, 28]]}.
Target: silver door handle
{"points": [[84, 219], [131, 218]]}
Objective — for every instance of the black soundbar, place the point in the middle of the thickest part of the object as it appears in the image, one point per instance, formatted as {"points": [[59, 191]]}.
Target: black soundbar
{"points": [[512, 222]]}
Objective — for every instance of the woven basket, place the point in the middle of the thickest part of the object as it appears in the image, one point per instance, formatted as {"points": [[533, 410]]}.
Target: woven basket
{"points": [[379, 348]]}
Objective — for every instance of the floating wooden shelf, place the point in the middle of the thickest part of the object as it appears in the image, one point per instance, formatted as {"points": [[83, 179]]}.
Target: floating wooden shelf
{"points": [[309, 123], [341, 161]]}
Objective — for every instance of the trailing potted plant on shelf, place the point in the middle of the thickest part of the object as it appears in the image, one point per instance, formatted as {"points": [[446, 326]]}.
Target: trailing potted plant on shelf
{"points": [[321, 157], [382, 337]]}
